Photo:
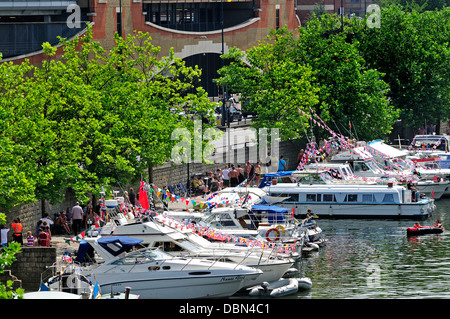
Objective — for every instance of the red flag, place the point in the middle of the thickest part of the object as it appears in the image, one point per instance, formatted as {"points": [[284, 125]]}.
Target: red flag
{"points": [[143, 199]]}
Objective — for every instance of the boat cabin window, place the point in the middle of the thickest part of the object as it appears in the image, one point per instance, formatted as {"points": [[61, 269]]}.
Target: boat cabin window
{"points": [[169, 246], [220, 220], [360, 167], [388, 198], [313, 197], [292, 197], [351, 198], [328, 198], [367, 198], [133, 259], [310, 178]]}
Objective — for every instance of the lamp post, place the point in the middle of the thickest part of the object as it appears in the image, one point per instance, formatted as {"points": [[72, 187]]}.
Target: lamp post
{"points": [[223, 52], [228, 104]]}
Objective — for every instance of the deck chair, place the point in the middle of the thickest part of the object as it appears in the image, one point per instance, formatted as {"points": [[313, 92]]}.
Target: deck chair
{"points": [[171, 190], [183, 190]]}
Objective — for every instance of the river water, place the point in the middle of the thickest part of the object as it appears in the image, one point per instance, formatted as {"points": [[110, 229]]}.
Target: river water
{"points": [[375, 259]]}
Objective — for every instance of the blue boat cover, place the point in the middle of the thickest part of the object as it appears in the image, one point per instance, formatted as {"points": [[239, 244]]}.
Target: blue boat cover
{"points": [[121, 243], [275, 213], [267, 180]]}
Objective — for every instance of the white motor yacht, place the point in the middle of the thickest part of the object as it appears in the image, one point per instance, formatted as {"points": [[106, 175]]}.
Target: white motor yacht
{"points": [[154, 274]]}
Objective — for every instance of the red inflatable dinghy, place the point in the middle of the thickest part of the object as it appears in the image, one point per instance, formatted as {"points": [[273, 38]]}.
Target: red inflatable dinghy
{"points": [[423, 230]]}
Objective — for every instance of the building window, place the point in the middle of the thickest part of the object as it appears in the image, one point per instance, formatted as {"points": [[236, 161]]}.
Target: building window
{"points": [[277, 10], [197, 16]]}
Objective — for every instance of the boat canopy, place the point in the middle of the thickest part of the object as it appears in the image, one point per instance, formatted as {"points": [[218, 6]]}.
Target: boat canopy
{"points": [[387, 150], [267, 180], [275, 213], [115, 245]]}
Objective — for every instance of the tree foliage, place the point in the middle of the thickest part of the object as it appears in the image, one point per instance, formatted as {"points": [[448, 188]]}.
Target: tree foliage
{"points": [[412, 50], [360, 80], [92, 117], [7, 257], [318, 69]]}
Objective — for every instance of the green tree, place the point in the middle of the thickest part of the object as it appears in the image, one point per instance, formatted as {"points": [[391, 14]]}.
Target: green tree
{"points": [[319, 69], [275, 85], [7, 257], [412, 50], [351, 93], [16, 186], [95, 117]]}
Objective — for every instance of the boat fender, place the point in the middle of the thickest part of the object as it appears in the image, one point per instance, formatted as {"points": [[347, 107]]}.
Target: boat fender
{"points": [[304, 283], [277, 233], [281, 229], [436, 179]]}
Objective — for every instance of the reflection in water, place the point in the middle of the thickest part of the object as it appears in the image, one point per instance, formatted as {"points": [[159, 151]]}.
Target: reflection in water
{"points": [[375, 259]]}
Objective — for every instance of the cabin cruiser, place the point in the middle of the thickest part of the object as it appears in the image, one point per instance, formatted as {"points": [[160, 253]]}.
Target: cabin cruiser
{"points": [[154, 274], [180, 240], [354, 201], [366, 163]]}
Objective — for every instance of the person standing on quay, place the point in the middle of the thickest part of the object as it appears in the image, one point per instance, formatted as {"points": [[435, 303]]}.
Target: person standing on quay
{"points": [[132, 196], [18, 228], [4, 235], [30, 239], [225, 176], [77, 217]]}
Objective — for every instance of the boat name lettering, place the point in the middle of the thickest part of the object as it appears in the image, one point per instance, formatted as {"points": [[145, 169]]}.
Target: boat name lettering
{"points": [[231, 278]]}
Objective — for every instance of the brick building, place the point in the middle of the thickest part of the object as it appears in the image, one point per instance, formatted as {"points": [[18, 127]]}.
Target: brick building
{"points": [[198, 30]]}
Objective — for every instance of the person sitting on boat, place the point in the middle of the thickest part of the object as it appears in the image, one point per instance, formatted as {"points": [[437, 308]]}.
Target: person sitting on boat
{"points": [[413, 191], [309, 214], [417, 225], [437, 224]]}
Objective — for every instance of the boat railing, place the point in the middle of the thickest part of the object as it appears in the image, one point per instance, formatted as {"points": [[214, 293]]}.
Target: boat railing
{"points": [[68, 277]]}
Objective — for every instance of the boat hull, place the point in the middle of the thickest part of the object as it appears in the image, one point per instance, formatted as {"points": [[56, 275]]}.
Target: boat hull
{"points": [[432, 189], [417, 210], [413, 231], [176, 286]]}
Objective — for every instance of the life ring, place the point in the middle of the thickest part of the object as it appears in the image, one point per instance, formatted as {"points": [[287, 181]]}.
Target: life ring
{"points": [[436, 179], [281, 229], [277, 232]]}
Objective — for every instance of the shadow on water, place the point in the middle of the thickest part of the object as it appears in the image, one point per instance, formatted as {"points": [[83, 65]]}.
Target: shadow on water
{"points": [[375, 259]]}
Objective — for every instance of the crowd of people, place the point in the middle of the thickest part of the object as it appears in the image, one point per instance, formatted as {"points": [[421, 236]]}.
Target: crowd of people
{"points": [[72, 221], [229, 176], [68, 222]]}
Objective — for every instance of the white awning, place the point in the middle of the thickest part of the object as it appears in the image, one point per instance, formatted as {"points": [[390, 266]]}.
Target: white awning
{"points": [[386, 150]]}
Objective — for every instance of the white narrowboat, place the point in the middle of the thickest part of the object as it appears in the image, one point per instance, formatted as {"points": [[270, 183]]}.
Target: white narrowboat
{"points": [[350, 200]]}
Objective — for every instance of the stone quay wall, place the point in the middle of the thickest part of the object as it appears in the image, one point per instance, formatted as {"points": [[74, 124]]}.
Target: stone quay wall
{"points": [[30, 263], [171, 174], [31, 213]]}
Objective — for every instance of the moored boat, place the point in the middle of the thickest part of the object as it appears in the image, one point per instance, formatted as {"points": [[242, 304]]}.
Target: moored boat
{"points": [[351, 201], [417, 230]]}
